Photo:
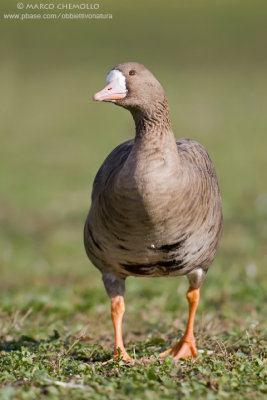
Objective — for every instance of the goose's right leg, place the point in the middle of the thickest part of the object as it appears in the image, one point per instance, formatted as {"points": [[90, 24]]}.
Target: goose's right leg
{"points": [[115, 288]]}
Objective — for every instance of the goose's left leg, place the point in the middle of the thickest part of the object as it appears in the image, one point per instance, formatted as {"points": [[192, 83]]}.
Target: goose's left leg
{"points": [[186, 347]]}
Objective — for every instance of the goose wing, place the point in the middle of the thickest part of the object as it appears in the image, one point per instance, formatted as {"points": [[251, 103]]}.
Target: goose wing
{"points": [[110, 167], [196, 155]]}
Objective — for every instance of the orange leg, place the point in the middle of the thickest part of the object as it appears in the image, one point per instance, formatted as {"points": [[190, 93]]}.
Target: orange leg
{"points": [[117, 311], [186, 347]]}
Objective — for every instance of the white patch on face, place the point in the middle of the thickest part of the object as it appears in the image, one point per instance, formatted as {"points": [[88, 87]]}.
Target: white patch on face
{"points": [[116, 76]]}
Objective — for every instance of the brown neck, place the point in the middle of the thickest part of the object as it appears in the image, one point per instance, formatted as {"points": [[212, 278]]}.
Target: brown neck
{"points": [[152, 121]]}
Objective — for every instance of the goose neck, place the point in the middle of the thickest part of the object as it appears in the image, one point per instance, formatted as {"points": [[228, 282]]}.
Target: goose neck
{"points": [[153, 120]]}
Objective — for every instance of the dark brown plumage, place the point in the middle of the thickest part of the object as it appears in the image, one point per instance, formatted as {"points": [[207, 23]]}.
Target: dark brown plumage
{"points": [[156, 207]]}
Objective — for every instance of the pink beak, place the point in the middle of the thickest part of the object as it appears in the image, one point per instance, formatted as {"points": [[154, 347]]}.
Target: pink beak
{"points": [[111, 92]]}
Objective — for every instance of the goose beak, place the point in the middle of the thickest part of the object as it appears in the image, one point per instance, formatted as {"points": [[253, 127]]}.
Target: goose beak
{"points": [[113, 91]]}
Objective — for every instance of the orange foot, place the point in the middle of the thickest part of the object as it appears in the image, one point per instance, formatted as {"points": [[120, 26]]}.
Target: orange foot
{"points": [[183, 349], [124, 356]]}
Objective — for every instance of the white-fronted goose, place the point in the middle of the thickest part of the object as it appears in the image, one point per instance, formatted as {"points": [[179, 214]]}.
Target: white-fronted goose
{"points": [[156, 206]]}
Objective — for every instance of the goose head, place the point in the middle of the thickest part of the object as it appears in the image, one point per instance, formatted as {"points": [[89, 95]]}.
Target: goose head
{"points": [[132, 86]]}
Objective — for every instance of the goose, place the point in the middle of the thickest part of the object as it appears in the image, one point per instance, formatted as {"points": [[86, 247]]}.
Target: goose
{"points": [[156, 206]]}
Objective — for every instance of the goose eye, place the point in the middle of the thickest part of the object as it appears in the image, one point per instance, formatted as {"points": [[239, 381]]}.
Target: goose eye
{"points": [[132, 72]]}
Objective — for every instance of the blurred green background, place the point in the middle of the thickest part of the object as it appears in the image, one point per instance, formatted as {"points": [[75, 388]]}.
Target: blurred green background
{"points": [[211, 58]]}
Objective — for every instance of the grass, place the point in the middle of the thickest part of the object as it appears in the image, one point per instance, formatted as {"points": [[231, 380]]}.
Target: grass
{"points": [[54, 320]]}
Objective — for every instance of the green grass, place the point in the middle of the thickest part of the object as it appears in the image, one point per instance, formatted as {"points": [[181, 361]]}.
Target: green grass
{"points": [[55, 329]]}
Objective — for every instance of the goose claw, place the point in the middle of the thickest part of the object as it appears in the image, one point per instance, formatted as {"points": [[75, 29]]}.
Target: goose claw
{"points": [[183, 349]]}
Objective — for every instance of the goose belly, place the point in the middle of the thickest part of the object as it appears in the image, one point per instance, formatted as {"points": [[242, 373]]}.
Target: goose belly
{"points": [[150, 237]]}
